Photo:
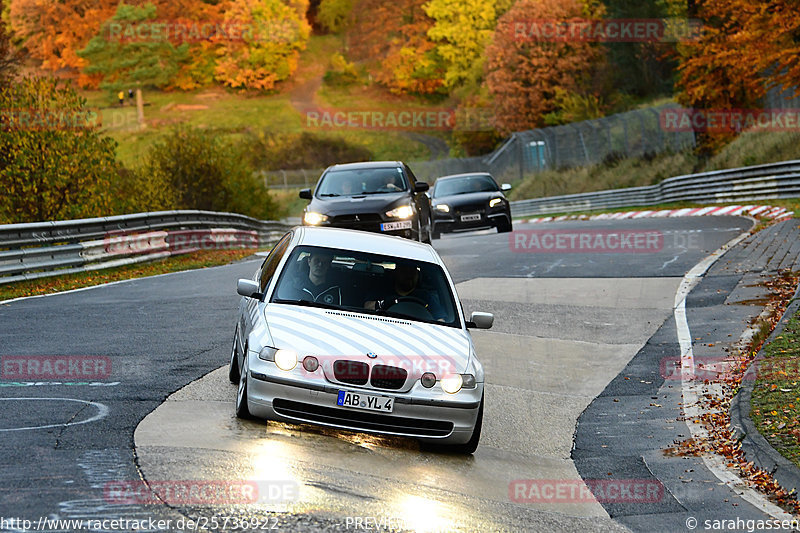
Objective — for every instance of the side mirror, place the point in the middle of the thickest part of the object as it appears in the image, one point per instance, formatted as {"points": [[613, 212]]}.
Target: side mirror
{"points": [[248, 288], [505, 187], [305, 194], [480, 320], [421, 186]]}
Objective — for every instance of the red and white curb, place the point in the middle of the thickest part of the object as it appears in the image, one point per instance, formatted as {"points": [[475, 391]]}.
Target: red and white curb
{"points": [[767, 211]]}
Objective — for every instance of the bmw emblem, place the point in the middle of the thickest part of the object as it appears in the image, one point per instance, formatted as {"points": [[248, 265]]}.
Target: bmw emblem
{"points": [[372, 355]]}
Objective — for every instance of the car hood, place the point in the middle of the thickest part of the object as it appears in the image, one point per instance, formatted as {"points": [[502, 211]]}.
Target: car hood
{"points": [[354, 205], [331, 333], [470, 198]]}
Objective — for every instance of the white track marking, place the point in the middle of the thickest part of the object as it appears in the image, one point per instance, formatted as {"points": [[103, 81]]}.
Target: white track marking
{"points": [[692, 390], [102, 412]]}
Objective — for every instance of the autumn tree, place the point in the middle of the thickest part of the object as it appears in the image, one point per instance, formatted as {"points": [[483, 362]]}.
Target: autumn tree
{"points": [[9, 56], [269, 53], [53, 32], [642, 68], [393, 38], [524, 75], [462, 29], [126, 59], [744, 49], [54, 165], [334, 15]]}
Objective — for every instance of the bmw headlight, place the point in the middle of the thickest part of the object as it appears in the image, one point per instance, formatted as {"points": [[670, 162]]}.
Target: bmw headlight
{"points": [[314, 219], [452, 383], [402, 212], [286, 359], [494, 202], [442, 208]]}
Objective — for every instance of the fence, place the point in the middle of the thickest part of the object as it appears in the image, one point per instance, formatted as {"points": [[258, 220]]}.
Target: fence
{"points": [[629, 134], [761, 182], [41, 249]]}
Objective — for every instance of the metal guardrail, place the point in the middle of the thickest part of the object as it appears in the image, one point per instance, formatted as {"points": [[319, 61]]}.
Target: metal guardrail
{"points": [[761, 182], [42, 249]]}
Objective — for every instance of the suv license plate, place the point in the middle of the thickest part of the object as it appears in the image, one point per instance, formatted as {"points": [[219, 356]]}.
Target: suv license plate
{"points": [[367, 402], [470, 218], [392, 226]]}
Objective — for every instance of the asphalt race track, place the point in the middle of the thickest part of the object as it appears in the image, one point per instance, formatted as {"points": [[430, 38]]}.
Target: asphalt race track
{"points": [[571, 324]]}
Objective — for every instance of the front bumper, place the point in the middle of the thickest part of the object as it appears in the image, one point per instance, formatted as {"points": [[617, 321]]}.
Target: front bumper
{"points": [[375, 227], [277, 395], [448, 223]]}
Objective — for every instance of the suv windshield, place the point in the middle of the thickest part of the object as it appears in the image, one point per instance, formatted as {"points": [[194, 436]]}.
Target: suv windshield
{"points": [[465, 185], [362, 181], [367, 283]]}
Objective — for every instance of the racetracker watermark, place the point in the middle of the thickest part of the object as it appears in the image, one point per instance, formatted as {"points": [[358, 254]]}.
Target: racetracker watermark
{"points": [[192, 492], [725, 368], [49, 119], [729, 120], [176, 242], [463, 119], [585, 491], [346, 368], [54, 367], [183, 31], [586, 241], [608, 31]]}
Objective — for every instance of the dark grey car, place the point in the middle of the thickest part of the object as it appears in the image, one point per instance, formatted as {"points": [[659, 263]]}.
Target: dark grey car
{"points": [[463, 202], [377, 196]]}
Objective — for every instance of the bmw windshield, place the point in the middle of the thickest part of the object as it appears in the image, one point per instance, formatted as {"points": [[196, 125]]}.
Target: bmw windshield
{"points": [[367, 283]]}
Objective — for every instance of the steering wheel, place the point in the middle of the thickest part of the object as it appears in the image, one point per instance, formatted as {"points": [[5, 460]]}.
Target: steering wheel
{"points": [[387, 304]]}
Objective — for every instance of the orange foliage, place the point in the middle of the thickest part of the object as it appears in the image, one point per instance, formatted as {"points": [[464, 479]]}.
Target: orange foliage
{"points": [[523, 76], [395, 36], [744, 49]]}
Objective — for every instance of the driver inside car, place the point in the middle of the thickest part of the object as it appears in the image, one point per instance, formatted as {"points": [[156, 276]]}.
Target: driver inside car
{"points": [[405, 289], [316, 283]]}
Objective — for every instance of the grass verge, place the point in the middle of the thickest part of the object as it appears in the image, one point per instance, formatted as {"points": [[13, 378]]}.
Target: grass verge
{"points": [[775, 403], [196, 260]]}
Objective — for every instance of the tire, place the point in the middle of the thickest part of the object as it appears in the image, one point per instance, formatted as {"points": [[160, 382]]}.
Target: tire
{"points": [[233, 368], [242, 409], [505, 226]]}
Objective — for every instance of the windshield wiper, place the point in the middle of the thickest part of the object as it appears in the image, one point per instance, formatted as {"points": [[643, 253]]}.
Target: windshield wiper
{"points": [[329, 194], [306, 303]]}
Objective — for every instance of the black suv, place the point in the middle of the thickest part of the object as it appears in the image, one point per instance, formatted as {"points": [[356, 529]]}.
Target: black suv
{"points": [[378, 196]]}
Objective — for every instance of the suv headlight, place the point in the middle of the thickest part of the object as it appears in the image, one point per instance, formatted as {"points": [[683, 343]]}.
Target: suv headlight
{"points": [[404, 211], [314, 219], [442, 208], [494, 202]]}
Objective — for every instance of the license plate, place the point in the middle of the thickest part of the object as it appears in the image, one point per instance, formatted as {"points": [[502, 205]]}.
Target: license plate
{"points": [[470, 218], [392, 226], [367, 402]]}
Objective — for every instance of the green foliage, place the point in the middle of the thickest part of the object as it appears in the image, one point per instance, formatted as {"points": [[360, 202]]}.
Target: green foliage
{"points": [[341, 72], [124, 59], [272, 151], [334, 15], [269, 54], [9, 57], [463, 28], [206, 173], [54, 165], [574, 107]]}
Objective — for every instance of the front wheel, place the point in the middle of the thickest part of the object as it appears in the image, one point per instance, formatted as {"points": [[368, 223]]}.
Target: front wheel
{"points": [[233, 370], [504, 226], [242, 408]]}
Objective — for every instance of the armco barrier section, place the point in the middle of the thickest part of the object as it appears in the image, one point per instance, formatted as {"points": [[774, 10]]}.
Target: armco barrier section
{"points": [[761, 182], [42, 249]]}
